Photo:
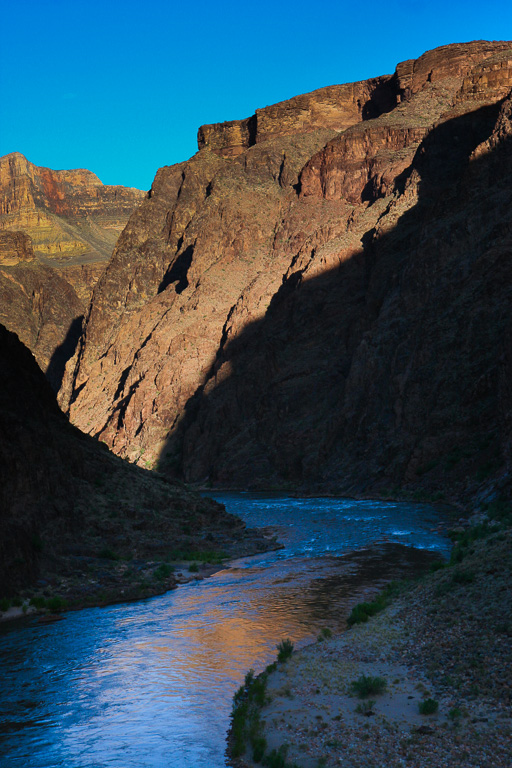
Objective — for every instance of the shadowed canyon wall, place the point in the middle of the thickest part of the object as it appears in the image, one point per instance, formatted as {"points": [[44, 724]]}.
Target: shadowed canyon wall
{"points": [[320, 297], [64, 497]]}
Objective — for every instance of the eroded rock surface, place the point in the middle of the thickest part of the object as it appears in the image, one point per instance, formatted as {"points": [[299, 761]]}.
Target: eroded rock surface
{"points": [[70, 215], [57, 230], [321, 296]]}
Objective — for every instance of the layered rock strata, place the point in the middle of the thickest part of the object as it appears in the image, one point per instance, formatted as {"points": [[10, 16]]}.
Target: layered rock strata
{"points": [[70, 215], [324, 306]]}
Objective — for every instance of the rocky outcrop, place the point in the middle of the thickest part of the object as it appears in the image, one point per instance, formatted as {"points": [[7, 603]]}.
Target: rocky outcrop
{"points": [[68, 507], [70, 215], [324, 309], [336, 107], [445, 62]]}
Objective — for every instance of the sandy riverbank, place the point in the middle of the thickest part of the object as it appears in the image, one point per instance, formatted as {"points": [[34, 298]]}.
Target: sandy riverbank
{"points": [[448, 638]]}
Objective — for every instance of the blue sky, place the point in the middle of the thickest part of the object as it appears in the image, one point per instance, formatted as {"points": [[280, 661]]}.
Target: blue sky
{"points": [[121, 87]]}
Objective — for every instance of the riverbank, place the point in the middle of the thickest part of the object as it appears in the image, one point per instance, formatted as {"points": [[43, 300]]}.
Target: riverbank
{"points": [[443, 645], [81, 581]]}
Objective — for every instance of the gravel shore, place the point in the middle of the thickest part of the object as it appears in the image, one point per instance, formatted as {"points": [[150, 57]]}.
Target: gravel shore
{"points": [[446, 638]]}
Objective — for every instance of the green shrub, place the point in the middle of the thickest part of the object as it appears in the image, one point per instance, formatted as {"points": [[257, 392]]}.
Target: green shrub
{"points": [[209, 556], [5, 604], [428, 707], [38, 602], [325, 634], [362, 611], [276, 758], [193, 568], [56, 603], [366, 686], [259, 745], [163, 571], [284, 650], [366, 707], [17, 602]]}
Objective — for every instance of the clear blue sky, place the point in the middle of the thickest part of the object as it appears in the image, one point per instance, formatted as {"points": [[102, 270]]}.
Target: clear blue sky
{"points": [[121, 87]]}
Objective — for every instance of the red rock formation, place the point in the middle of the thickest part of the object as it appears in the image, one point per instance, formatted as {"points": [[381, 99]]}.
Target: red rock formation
{"points": [[70, 221], [303, 312], [336, 107], [68, 214]]}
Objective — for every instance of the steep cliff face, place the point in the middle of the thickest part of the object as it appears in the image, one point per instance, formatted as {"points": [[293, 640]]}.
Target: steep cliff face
{"points": [[64, 499], [336, 107], [57, 229], [319, 302], [70, 215]]}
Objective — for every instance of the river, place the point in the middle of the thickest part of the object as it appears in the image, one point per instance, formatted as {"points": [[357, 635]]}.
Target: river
{"points": [[149, 684]]}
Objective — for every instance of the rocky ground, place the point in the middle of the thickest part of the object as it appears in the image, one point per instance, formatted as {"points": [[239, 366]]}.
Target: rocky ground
{"points": [[443, 643]]}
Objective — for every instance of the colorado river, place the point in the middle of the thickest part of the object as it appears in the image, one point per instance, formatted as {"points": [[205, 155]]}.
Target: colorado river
{"points": [[149, 684]]}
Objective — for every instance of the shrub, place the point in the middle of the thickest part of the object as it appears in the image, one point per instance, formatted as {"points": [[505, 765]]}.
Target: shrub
{"points": [[210, 556], [366, 707], [56, 603], [259, 745], [366, 686], [325, 634], [428, 707], [193, 568], [163, 571], [38, 602], [17, 602], [284, 650], [463, 577], [362, 611], [276, 758], [5, 604]]}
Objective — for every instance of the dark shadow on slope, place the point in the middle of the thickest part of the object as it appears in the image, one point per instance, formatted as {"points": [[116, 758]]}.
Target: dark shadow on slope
{"points": [[65, 351], [385, 370], [177, 272]]}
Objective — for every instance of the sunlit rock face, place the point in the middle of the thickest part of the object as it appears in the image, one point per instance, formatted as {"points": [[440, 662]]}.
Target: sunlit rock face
{"points": [[57, 230], [320, 296], [68, 214]]}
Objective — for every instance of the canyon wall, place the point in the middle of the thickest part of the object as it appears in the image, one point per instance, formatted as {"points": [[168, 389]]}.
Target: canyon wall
{"points": [[57, 231], [320, 297], [69, 215]]}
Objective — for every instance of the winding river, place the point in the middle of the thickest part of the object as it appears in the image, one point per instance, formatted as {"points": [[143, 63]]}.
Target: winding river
{"points": [[149, 684]]}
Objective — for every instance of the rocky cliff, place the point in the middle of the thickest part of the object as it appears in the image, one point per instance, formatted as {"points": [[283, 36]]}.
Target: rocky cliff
{"points": [[321, 296], [70, 510], [70, 215], [57, 230]]}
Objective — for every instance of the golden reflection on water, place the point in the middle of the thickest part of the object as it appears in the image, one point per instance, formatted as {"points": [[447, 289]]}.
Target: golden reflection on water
{"points": [[149, 684]]}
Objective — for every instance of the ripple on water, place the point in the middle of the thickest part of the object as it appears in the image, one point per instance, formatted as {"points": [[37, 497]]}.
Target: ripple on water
{"points": [[150, 683]]}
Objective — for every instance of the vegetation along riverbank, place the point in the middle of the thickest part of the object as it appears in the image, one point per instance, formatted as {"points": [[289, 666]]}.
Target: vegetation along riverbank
{"points": [[422, 676]]}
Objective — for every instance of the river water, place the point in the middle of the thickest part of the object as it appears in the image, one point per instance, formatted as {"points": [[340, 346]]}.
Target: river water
{"points": [[150, 684]]}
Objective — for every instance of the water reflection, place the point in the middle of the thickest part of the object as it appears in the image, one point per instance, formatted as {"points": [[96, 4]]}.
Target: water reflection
{"points": [[150, 683]]}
